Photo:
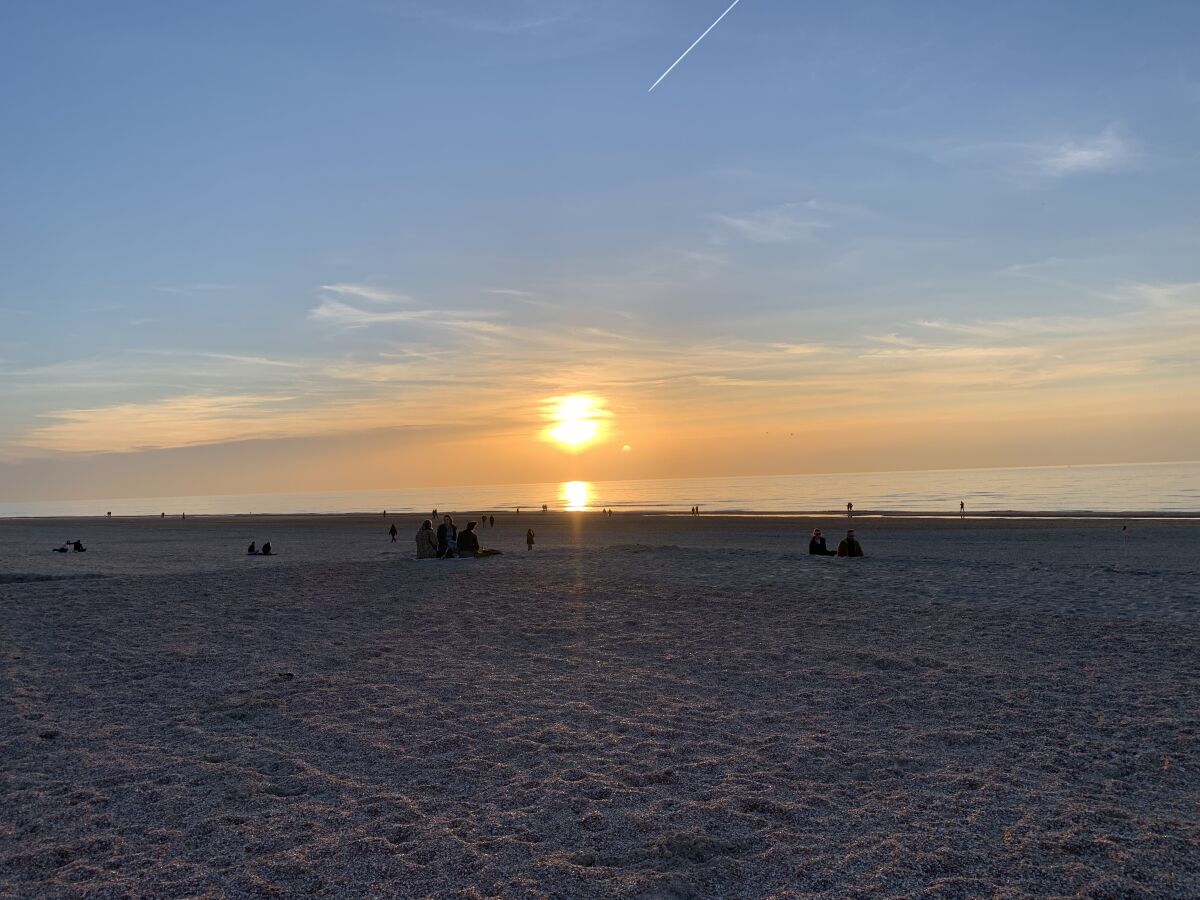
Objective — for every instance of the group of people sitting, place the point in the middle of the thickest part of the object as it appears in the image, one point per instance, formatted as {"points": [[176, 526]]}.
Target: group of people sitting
{"points": [[253, 550], [848, 546], [448, 542], [67, 547]]}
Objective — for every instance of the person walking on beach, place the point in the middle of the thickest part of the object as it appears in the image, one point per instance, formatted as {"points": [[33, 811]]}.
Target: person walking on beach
{"points": [[849, 510], [962, 509], [427, 542], [529, 539], [393, 532], [849, 546]]}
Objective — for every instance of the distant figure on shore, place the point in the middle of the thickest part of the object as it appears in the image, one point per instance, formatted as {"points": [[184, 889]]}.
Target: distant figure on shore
{"points": [[252, 550], [544, 507], [434, 516], [491, 521], [849, 510], [78, 547], [468, 544], [447, 538], [266, 550], [518, 510], [962, 509], [393, 532], [108, 515], [162, 515], [1124, 532], [427, 542], [849, 546], [816, 545], [529, 539]]}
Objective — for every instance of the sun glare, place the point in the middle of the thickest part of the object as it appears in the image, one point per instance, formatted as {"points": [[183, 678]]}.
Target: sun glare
{"points": [[576, 494], [576, 421]]}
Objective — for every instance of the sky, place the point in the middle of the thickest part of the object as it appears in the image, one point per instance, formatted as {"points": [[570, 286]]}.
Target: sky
{"points": [[278, 245]]}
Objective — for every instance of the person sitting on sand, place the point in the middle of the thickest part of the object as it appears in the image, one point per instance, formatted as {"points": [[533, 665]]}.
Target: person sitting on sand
{"points": [[266, 550], [447, 538], [427, 542], [468, 544], [849, 546], [78, 547], [65, 548], [252, 550], [816, 546]]}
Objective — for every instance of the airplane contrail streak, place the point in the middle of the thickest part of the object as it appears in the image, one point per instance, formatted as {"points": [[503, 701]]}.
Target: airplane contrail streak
{"points": [[693, 47]]}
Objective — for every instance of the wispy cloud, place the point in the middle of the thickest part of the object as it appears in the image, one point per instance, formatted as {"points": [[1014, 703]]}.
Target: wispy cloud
{"points": [[335, 312], [367, 292], [195, 287], [777, 225], [1105, 152]]}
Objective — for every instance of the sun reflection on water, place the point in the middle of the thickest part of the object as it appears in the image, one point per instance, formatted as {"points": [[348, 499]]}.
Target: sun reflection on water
{"points": [[575, 495]]}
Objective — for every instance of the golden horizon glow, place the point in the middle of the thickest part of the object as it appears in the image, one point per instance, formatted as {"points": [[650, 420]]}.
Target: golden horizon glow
{"points": [[576, 495], [577, 421]]}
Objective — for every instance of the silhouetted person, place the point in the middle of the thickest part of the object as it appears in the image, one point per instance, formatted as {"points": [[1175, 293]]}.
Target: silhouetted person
{"points": [[427, 542], [447, 537], [468, 544], [816, 545], [78, 547], [544, 507], [849, 546], [529, 539], [962, 509], [65, 548], [252, 549], [266, 550], [108, 515], [849, 510], [491, 521], [162, 515], [393, 532]]}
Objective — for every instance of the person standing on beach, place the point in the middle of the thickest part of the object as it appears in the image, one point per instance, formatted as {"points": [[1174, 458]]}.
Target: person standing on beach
{"points": [[962, 509], [491, 521], [392, 531], [529, 539], [849, 510], [849, 546]]}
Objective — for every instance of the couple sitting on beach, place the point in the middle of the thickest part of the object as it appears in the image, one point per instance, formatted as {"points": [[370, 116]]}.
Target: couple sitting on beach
{"points": [[77, 546], [254, 551], [848, 546], [447, 543]]}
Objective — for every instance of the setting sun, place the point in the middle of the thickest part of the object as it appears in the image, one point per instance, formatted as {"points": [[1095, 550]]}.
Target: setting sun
{"points": [[576, 495], [576, 420]]}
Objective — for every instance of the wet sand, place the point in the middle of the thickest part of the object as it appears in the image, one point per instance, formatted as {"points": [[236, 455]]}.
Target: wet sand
{"points": [[653, 706]]}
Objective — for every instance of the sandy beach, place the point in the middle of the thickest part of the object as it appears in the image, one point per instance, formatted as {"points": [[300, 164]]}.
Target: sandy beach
{"points": [[642, 706]]}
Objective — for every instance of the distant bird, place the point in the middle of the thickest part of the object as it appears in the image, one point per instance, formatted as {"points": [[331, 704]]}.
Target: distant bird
{"points": [[693, 47]]}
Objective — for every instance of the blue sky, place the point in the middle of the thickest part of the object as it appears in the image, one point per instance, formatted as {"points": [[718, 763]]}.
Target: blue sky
{"points": [[291, 221]]}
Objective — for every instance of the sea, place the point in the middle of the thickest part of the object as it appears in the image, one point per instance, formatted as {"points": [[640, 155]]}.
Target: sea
{"points": [[1153, 488]]}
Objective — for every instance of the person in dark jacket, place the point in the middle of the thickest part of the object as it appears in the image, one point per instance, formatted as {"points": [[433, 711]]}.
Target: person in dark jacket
{"points": [[529, 539], [252, 550], [266, 549], [816, 546], [447, 536], [849, 546], [468, 543]]}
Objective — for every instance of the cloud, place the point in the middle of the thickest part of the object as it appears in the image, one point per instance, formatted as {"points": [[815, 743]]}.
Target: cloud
{"points": [[778, 225], [1106, 152], [366, 292], [335, 312]]}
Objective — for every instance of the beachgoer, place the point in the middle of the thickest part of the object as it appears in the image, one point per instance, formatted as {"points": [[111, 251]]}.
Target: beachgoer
{"points": [[544, 507], [529, 539], [162, 515], [447, 538], [816, 545], [65, 548], [427, 542], [108, 515], [393, 532], [266, 550], [491, 521], [962, 509], [252, 550], [849, 546], [78, 547], [849, 510], [468, 544]]}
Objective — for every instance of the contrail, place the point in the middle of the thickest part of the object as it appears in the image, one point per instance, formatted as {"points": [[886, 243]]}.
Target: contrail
{"points": [[693, 47]]}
